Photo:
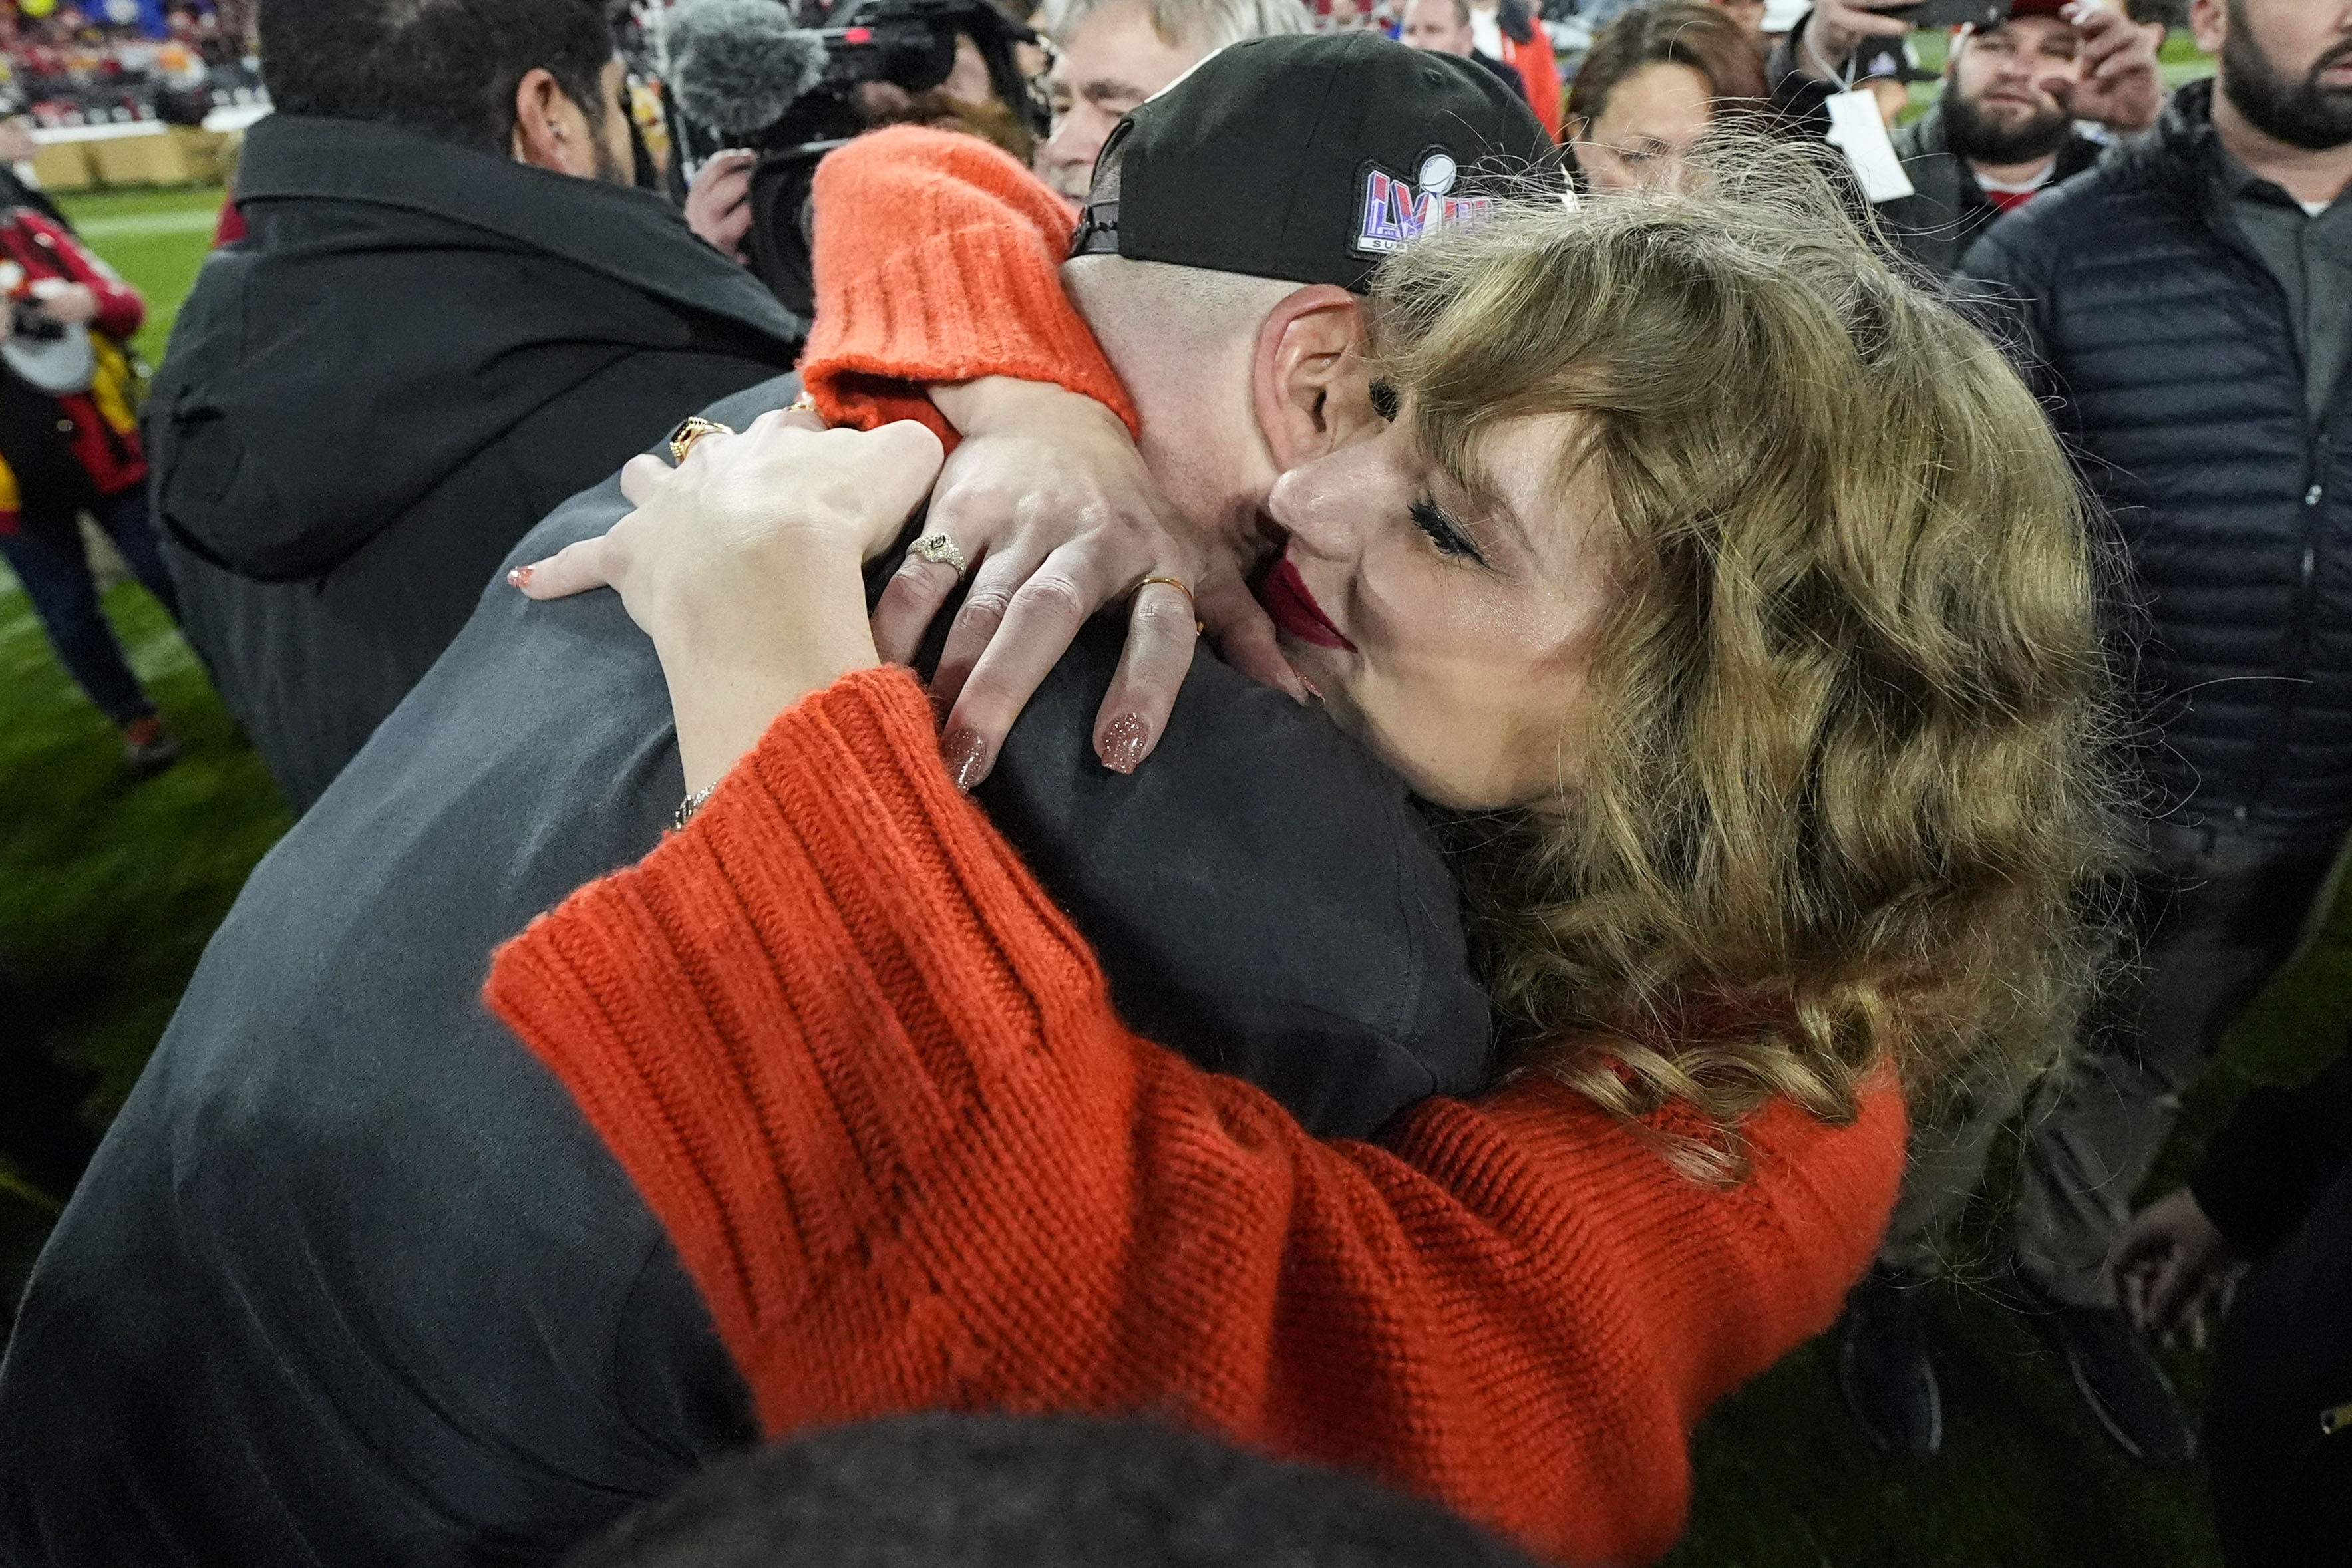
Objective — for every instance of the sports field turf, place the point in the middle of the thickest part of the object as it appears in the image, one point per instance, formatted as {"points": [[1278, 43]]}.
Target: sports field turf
{"points": [[108, 890]]}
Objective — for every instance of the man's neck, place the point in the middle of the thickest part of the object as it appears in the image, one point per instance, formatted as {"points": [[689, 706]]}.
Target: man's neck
{"points": [[2311, 176], [2024, 173]]}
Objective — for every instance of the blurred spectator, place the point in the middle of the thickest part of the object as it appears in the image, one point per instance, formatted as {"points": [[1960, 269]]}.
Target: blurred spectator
{"points": [[1443, 26], [69, 444], [2185, 308], [1651, 84], [1037, 1491], [2275, 1194], [1112, 55], [2005, 127], [425, 341], [17, 150], [1749, 14], [1506, 30]]}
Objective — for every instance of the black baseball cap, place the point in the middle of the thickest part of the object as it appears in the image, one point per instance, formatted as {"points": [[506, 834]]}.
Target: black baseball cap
{"points": [[1311, 158], [1890, 58]]}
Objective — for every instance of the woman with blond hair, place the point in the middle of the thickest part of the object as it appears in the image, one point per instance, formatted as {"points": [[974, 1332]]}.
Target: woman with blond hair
{"points": [[1735, 597]]}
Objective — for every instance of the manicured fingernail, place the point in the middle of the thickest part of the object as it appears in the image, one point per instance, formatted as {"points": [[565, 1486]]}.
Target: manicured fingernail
{"points": [[519, 576], [1312, 690], [1123, 743], [967, 758]]}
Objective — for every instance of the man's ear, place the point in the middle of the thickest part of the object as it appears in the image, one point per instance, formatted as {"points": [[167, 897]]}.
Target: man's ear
{"points": [[1307, 378], [549, 130], [2208, 24]]}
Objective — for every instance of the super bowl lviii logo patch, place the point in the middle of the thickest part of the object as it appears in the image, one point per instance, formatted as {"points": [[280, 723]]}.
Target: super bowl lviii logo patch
{"points": [[1391, 211]]}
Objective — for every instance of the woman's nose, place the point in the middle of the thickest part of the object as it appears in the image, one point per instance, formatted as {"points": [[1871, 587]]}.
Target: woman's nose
{"points": [[1324, 506]]}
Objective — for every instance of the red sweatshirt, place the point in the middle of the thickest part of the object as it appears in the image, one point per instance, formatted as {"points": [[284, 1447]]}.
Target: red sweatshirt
{"points": [[101, 426], [870, 1081]]}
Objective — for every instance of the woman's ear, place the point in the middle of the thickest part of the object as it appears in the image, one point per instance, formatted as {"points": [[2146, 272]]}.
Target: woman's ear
{"points": [[1309, 377], [549, 130]]}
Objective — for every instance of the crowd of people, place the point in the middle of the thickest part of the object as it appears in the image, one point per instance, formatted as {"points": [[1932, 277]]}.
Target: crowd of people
{"points": [[1398, 747]]}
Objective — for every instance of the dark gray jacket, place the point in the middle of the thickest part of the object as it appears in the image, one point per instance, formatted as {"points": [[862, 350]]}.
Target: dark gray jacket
{"points": [[351, 1281], [2167, 353], [417, 353]]}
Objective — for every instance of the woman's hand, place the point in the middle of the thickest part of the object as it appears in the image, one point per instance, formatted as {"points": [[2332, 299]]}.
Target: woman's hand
{"points": [[2175, 1270], [1058, 518], [742, 565]]}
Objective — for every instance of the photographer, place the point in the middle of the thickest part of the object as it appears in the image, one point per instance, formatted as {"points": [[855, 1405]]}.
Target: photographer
{"points": [[70, 444], [2004, 129], [743, 70]]}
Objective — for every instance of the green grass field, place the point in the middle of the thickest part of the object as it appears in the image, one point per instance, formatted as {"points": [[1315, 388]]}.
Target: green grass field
{"points": [[108, 890]]}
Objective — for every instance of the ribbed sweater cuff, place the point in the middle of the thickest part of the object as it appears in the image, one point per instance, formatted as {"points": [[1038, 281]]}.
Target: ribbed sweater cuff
{"points": [[939, 261]]}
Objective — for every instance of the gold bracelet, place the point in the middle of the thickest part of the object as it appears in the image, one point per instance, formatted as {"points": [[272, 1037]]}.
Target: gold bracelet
{"points": [[689, 806]]}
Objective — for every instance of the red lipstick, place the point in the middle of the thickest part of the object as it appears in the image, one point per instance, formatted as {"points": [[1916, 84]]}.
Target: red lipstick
{"points": [[1293, 609]]}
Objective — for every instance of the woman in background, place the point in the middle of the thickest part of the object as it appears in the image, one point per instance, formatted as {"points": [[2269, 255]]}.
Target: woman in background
{"points": [[1653, 83]]}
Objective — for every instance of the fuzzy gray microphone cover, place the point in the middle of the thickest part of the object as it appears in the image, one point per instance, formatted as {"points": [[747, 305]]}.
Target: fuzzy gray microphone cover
{"points": [[738, 65]]}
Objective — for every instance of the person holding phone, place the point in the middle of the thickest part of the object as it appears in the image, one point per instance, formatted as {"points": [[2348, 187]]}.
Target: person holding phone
{"points": [[2017, 80]]}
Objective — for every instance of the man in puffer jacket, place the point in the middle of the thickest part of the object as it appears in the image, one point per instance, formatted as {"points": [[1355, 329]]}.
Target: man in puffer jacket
{"points": [[2187, 310]]}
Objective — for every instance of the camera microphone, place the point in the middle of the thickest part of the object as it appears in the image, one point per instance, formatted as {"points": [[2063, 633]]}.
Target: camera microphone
{"points": [[740, 66]]}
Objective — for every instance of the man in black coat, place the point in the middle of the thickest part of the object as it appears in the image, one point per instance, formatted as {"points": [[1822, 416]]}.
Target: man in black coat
{"points": [[2274, 1197], [449, 314], [2185, 311], [351, 1281]]}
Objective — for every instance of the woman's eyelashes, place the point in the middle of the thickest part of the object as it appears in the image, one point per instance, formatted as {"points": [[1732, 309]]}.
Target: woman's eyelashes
{"points": [[1444, 532]]}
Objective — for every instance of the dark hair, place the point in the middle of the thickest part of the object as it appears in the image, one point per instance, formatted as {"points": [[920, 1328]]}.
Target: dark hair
{"points": [[1043, 1491], [1678, 33], [446, 67]]}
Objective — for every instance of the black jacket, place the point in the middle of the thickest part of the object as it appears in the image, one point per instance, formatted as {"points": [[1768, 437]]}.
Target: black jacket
{"points": [[1947, 209], [2165, 349], [2277, 1181], [353, 1281], [418, 350]]}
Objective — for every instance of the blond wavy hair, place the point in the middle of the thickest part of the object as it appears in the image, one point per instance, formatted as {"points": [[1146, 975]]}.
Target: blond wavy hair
{"points": [[1837, 793]]}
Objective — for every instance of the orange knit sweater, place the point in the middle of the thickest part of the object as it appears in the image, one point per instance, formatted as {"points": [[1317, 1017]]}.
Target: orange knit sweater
{"points": [[870, 1081]]}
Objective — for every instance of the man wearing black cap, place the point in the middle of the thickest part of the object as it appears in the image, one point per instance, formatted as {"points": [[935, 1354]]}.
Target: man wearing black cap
{"points": [[353, 1281]]}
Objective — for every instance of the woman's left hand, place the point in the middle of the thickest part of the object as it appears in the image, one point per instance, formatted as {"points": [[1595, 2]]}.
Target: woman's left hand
{"points": [[742, 565], [713, 538]]}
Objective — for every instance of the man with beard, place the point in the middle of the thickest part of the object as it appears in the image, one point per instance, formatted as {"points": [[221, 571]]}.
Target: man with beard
{"points": [[449, 313], [2185, 307], [2005, 126]]}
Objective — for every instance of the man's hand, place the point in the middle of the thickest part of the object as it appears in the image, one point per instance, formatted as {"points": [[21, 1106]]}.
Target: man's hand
{"points": [[2175, 1270], [1058, 518], [2119, 85], [71, 304], [1836, 29], [719, 203]]}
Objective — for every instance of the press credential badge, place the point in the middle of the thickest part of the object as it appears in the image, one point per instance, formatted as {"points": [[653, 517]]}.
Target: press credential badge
{"points": [[1857, 131]]}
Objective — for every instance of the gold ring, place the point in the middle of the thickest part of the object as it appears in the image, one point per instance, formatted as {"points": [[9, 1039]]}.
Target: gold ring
{"points": [[806, 404], [1199, 627], [940, 551], [691, 430]]}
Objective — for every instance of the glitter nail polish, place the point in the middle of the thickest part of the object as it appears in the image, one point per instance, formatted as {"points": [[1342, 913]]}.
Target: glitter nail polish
{"points": [[519, 576], [1123, 742], [967, 758]]}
